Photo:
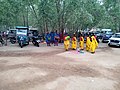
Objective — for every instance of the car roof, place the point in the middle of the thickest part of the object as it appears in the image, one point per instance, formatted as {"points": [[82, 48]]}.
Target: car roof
{"points": [[117, 33], [21, 27], [106, 30], [12, 29]]}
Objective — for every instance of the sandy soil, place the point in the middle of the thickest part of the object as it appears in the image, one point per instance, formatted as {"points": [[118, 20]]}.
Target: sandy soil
{"points": [[52, 68]]}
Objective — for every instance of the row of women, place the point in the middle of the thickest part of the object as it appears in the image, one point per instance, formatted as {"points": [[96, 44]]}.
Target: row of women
{"points": [[91, 43]]}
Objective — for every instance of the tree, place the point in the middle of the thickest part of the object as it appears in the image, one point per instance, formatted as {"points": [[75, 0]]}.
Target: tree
{"points": [[49, 15]]}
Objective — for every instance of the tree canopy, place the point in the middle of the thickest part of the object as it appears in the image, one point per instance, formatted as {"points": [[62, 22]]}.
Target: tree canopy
{"points": [[60, 15]]}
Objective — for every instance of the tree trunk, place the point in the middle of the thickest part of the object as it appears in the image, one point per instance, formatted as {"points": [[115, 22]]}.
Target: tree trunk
{"points": [[24, 20], [58, 13], [27, 18]]}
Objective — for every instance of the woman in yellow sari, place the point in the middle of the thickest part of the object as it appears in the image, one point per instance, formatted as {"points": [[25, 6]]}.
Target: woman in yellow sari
{"points": [[66, 42], [94, 44], [81, 42], [88, 43], [74, 42]]}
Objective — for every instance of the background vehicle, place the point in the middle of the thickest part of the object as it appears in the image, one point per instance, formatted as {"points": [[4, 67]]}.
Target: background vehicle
{"points": [[36, 40], [101, 33], [22, 36], [114, 40], [98, 34], [13, 40], [12, 35], [33, 32], [34, 36], [106, 36]]}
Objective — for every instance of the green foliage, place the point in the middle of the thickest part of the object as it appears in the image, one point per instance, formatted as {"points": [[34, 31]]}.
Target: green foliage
{"points": [[60, 14]]}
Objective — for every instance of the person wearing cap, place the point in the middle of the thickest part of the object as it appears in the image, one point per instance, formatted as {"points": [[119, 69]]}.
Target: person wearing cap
{"points": [[81, 42], [74, 42], [94, 44], [66, 41]]}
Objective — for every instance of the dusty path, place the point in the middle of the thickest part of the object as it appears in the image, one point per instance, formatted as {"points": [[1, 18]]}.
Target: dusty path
{"points": [[51, 68]]}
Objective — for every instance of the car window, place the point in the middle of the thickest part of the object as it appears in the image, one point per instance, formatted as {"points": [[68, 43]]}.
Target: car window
{"points": [[116, 35], [21, 32], [109, 32]]}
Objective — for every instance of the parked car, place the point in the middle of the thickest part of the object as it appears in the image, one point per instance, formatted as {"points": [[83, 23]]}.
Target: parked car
{"points": [[107, 36], [114, 40], [99, 34], [12, 35]]}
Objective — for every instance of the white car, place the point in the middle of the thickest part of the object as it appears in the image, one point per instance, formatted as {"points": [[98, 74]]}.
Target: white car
{"points": [[114, 40]]}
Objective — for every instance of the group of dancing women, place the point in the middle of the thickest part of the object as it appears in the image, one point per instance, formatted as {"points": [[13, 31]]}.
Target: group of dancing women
{"points": [[88, 42]]}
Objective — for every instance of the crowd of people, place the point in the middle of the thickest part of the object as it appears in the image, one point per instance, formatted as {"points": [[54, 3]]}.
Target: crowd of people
{"points": [[91, 41], [52, 38], [55, 38]]}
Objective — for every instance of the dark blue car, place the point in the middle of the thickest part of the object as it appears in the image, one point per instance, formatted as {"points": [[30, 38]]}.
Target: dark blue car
{"points": [[106, 37]]}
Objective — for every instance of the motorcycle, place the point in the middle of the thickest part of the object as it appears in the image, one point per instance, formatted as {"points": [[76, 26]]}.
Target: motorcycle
{"points": [[35, 41], [21, 42]]}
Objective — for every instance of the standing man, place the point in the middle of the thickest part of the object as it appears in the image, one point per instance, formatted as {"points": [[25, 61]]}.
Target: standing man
{"points": [[6, 37], [52, 34], [61, 34], [74, 42], [48, 38], [56, 39]]}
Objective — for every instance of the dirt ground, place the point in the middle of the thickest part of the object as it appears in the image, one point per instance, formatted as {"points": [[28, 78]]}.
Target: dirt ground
{"points": [[52, 68]]}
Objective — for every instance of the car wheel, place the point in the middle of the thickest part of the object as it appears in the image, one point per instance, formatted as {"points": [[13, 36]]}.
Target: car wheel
{"points": [[37, 44], [21, 44], [119, 46], [33, 42], [109, 45], [28, 43], [102, 41], [13, 42]]}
